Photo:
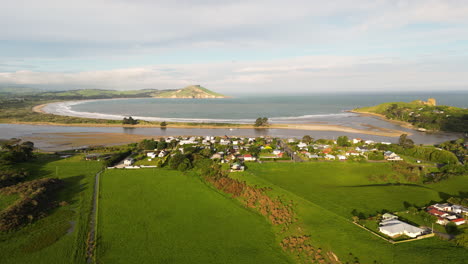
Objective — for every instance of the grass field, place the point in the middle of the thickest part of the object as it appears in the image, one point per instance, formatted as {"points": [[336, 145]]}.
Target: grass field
{"points": [[163, 216], [59, 237], [6, 200], [326, 193]]}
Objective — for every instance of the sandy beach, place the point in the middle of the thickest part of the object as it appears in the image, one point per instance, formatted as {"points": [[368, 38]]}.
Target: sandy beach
{"points": [[373, 130]]}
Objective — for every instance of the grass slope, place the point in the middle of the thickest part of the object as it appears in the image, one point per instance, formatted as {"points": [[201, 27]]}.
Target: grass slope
{"points": [[60, 237], [6, 200], [163, 216], [326, 193]]}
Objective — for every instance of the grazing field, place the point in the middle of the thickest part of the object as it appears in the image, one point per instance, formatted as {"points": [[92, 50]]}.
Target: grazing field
{"points": [[326, 193], [164, 216], [59, 237]]}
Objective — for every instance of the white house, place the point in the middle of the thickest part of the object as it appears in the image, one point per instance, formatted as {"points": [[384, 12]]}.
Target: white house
{"points": [[395, 227], [162, 154], [385, 143], [151, 155], [388, 155], [129, 161], [276, 152], [248, 157], [356, 140], [458, 221], [329, 157], [458, 209], [341, 157], [443, 207], [369, 141], [302, 145]]}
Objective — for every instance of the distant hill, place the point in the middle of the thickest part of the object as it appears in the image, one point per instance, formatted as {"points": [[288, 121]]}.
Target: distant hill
{"points": [[100, 94], [192, 91], [423, 115]]}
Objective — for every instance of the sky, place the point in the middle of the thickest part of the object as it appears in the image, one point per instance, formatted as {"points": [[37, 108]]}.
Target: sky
{"points": [[236, 46]]}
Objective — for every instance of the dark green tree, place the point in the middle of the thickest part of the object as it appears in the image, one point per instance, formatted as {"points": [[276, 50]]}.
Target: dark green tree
{"points": [[307, 139], [343, 141]]}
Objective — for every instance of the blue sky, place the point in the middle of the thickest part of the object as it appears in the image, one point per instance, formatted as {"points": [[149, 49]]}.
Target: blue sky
{"points": [[304, 45]]}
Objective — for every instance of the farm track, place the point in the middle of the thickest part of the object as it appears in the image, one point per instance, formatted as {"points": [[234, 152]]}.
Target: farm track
{"points": [[91, 242]]}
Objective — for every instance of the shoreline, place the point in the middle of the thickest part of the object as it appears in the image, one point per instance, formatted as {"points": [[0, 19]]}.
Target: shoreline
{"points": [[310, 127], [397, 122]]}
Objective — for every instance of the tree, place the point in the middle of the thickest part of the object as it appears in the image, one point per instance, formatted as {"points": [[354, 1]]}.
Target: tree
{"points": [[147, 144], [162, 144], [163, 124], [405, 142], [343, 141], [129, 121], [254, 150], [261, 121], [307, 139]]}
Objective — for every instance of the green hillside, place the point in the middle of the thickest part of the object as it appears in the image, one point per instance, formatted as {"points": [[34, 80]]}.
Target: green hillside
{"points": [[192, 91], [99, 94], [420, 115]]}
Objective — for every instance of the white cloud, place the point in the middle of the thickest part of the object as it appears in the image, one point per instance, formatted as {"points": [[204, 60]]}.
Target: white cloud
{"points": [[302, 74]]}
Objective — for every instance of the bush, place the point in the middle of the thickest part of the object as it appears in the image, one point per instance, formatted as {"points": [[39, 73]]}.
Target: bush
{"points": [[37, 198]]}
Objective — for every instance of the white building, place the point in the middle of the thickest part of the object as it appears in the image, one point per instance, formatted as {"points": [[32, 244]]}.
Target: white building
{"points": [[162, 154], [395, 227], [129, 161], [151, 155]]}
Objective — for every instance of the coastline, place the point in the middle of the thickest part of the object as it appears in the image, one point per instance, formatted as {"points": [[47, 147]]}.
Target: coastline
{"points": [[310, 127], [397, 122]]}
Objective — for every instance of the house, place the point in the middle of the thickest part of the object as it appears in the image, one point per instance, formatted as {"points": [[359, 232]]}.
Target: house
{"points": [[237, 167], [162, 154], [217, 156], [329, 157], [369, 142], [327, 150], [442, 221], [248, 157], [395, 227], [458, 221], [443, 207], [389, 155], [458, 209], [128, 161], [356, 140], [388, 216], [276, 152], [341, 157], [151, 155], [438, 213], [302, 145], [385, 143]]}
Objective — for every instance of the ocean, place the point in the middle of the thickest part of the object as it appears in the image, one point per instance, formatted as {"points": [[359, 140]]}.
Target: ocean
{"points": [[305, 108]]}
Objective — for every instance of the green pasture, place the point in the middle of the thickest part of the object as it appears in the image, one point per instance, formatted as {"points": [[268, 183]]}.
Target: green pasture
{"points": [[164, 216], [60, 237], [326, 193]]}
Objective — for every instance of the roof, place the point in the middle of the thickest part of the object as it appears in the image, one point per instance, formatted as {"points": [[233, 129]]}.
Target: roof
{"points": [[434, 211], [458, 220], [247, 156], [397, 227]]}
